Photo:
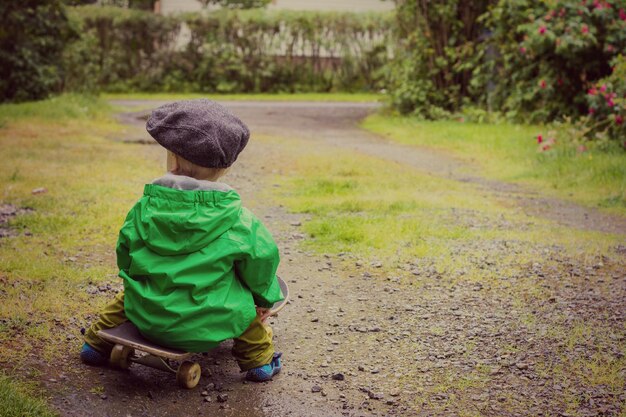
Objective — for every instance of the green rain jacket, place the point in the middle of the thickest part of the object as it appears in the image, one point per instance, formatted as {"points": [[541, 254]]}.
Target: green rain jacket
{"points": [[194, 264]]}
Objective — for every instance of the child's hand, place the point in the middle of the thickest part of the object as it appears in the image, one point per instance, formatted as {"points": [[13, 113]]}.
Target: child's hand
{"points": [[263, 313]]}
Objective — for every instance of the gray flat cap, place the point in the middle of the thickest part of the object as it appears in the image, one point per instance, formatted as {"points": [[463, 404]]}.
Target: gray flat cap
{"points": [[201, 131]]}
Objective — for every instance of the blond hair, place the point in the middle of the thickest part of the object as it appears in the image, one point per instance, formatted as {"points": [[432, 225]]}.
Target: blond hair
{"points": [[178, 165]]}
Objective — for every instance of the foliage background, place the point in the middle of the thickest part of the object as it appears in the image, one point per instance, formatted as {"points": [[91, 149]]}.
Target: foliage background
{"points": [[526, 61], [33, 35], [533, 61], [226, 51]]}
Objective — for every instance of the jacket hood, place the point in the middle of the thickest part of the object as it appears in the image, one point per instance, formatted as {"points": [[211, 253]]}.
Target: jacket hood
{"points": [[179, 215]]}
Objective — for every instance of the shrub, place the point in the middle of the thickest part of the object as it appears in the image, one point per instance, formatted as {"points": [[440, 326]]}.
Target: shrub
{"points": [[437, 49], [549, 54], [606, 101], [32, 37], [228, 51]]}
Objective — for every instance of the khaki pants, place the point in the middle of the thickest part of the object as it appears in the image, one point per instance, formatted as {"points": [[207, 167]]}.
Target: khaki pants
{"points": [[252, 349]]}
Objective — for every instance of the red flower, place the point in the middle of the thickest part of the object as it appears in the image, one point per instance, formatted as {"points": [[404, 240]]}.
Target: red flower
{"points": [[592, 91], [622, 14], [539, 138], [582, 148], [542, 84], [603, 88], [609, 48], [592, 110], [585, 29], [619, 120], [522, 50], [542, 30], [545, 147]]}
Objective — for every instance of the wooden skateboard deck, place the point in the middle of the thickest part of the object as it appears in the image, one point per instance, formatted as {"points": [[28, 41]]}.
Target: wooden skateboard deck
{"points": [[128, 335]]}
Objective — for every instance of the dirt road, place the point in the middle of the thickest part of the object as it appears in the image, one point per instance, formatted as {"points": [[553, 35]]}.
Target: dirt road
{"points": [[359, 342]]}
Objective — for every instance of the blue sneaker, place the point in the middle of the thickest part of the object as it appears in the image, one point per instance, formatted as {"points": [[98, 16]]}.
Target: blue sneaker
{"points": [[265, 372], [92, 357]]}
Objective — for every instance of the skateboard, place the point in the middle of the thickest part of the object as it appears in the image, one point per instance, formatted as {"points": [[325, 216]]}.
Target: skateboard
{"points": [[127, 340]]}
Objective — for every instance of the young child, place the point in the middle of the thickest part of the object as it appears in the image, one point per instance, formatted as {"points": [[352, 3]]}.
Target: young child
{"points": [[195, 263]]}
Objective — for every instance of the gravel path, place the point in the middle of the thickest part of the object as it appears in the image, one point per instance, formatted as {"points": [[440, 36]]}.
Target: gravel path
{"points": [[361, 341]]}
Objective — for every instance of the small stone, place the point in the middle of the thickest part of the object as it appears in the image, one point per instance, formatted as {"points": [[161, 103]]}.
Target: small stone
{"points": [[208, 399], [204, 393], [296, 224], [210, 387], [104, 396], [375, 395], [338, 376], [40, 190], [222, 398], [315, 320], [375, 371], [361, 368], [316, 388], [521, 366]]}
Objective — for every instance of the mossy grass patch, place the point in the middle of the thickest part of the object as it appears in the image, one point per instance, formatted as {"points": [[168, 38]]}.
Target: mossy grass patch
{"points": [[594, 174]]}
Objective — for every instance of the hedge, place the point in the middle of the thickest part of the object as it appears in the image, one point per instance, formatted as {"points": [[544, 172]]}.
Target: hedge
{"points": [[227, 51]]}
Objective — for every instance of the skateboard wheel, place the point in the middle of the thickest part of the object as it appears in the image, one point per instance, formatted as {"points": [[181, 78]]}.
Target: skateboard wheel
{"points": [[120, 356], [188, 374]]}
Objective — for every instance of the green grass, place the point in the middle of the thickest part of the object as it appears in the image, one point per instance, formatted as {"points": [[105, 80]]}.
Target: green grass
{"points": [[330, 97], [506, 152], [59, 108], [374, 208], [16, 400], [91, 182]]}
